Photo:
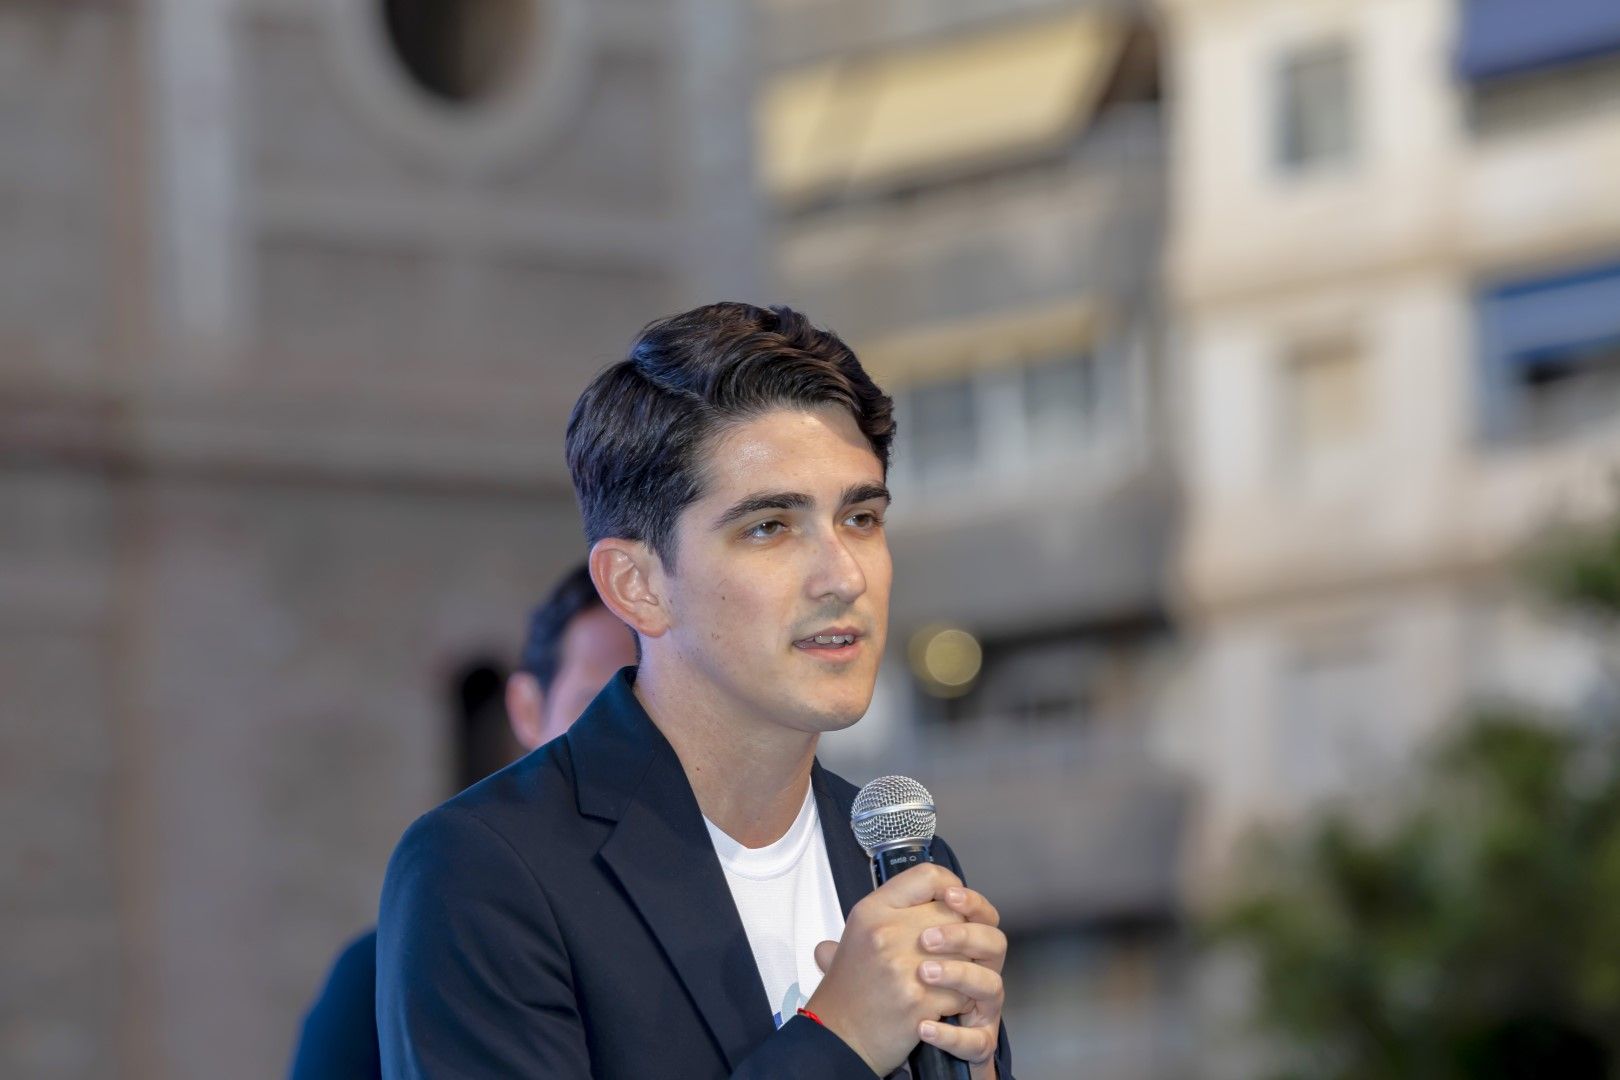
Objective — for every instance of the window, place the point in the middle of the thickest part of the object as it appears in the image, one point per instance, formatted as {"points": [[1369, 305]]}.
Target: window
{"points": [[944, 428], [1018, 407], [481, 736], [1575, 392], [1060, 397], [459, 52], [471, 85], [1066, 678], [1550, 351], [1335, 726], [1325, 405], [1316, 118]]}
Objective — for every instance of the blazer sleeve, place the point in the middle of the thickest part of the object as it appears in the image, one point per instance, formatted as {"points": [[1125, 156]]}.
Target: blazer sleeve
{"points": [[472, 976], [803, 1050]]}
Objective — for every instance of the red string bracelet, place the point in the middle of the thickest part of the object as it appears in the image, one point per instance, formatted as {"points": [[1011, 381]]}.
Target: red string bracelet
{"points": [[806, 1012]]}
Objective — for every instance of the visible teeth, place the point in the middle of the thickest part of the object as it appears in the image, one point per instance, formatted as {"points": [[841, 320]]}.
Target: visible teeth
{"points": [[835, 639]]}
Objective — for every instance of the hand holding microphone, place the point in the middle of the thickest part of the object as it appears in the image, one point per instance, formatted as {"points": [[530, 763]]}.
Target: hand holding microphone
{"points": [[919, 948]]}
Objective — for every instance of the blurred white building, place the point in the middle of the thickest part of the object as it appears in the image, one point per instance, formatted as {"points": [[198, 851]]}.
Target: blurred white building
{"points": [[1396, 277]]}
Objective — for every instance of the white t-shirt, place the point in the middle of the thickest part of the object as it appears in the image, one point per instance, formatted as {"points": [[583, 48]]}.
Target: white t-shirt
{"points": [[788, 903]]}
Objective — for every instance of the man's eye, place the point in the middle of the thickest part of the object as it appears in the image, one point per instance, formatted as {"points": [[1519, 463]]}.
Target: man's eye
{"points": [[865, 519], [766, 529]]}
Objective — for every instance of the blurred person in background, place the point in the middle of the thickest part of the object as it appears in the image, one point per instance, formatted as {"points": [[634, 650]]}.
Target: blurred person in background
{"points": [[574, 645], [672, 888]]}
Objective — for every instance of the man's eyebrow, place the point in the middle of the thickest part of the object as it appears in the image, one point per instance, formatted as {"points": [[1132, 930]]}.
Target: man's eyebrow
{"points": [[865, 492], [764, 500]]}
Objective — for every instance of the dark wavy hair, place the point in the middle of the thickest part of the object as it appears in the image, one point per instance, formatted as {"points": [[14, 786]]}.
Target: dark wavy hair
{"points": [[638, 434]]}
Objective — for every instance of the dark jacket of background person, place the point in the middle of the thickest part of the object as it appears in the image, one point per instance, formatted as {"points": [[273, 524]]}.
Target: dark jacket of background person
{"points": [[567, 917], [565, 655], [339, 1037]]}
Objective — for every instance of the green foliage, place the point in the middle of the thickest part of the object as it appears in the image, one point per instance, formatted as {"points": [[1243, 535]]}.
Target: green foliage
{"points": [[1581, 568], [1477, 938]]}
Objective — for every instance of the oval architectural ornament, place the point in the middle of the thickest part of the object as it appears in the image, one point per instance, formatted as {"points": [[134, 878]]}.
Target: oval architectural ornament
{"points": [[469, 86]]}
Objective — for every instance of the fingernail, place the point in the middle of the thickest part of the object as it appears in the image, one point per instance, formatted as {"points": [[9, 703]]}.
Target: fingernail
{"points": [[955, 896], [931, 970], [933, 937], [928, 1030]]}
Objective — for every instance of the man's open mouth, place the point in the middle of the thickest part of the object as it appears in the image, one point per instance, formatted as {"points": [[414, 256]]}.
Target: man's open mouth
{"points": [[831, 639]]}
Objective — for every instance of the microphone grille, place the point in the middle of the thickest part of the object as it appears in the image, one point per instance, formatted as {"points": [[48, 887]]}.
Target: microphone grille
{"points": [[892, 808]]}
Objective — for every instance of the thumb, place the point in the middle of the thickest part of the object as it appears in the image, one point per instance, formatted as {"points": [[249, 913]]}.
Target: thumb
{"points": [[824, 955]]}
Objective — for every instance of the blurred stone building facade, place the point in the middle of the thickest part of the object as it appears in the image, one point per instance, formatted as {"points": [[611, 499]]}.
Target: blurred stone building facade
{"points": [[294, 298], [1396, 282]]}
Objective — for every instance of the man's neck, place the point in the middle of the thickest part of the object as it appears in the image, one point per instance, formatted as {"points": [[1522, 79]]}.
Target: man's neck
{"points": [[750, 777]]}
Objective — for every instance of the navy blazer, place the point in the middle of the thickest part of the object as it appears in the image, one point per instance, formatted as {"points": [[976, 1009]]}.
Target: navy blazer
{"points": [[568, 917], [339, 1038]]}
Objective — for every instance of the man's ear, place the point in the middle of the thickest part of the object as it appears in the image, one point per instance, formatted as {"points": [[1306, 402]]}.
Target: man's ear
{"points": [[628, 575], [526, 709]]}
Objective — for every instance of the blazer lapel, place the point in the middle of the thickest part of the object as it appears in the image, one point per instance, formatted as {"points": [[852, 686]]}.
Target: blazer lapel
{"points": [[851, 867], [661, 854]]}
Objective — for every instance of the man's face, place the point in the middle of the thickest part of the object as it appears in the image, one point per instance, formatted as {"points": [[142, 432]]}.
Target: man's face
{"points": [[595, 646], [786, 545]]}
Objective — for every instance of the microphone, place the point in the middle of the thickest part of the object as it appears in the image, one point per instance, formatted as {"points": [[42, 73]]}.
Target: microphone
{"points": [[893, 819]]}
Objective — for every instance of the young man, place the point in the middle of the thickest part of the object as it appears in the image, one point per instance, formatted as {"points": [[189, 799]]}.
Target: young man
{"points": [[574, 645], [659, 892]]}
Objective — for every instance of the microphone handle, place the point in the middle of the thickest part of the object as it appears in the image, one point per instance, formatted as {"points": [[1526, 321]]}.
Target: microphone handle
{"points": [[927, 1062]]}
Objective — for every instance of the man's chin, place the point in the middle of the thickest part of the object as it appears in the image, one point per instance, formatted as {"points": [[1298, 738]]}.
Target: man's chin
{"points": [[841, 722], [828, 716], [822, 705]]}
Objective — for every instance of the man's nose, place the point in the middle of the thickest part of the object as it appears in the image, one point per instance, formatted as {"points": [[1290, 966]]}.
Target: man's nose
{"points": [[838, 573]]}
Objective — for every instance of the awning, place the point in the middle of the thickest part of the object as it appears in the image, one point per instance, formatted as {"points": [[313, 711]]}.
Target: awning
{"points": [[1003, 339], [1531, 323], [957, 103], [1506, 37]]}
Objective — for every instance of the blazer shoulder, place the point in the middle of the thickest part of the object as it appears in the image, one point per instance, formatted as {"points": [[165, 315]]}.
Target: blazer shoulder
{"points": [[540, 781], [527, 807]]}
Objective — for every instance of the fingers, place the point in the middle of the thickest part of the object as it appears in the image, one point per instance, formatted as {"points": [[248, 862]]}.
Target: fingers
{"points": [[986, 945], [918, 885], [971, 905], [975, 1045], [973, 981], [824, 955]]}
